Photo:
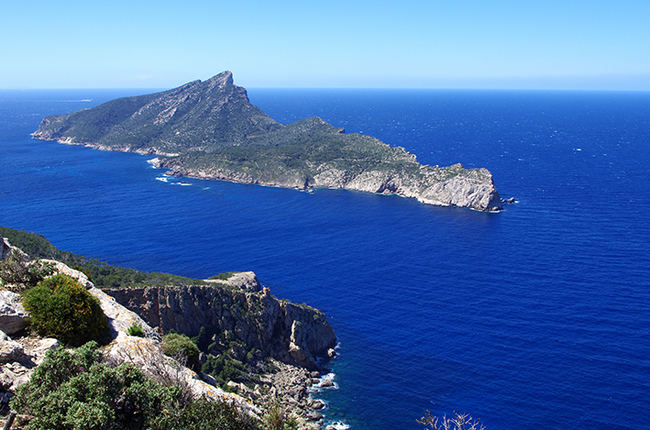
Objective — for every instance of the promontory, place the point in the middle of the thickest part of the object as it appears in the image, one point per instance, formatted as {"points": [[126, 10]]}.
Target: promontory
{"points": [[209, 129]]}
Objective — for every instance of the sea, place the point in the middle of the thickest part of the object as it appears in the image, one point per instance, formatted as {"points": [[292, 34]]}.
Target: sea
{"points": [[537, 317]]}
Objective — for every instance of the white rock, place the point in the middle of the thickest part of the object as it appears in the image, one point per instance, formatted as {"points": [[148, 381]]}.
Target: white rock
{"points": [[146, 354], [67, 270], [11, 350], [119, 317], [13, 317]]}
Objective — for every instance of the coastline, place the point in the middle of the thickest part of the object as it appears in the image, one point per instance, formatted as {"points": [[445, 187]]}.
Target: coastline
{"points": [[485, 201]]}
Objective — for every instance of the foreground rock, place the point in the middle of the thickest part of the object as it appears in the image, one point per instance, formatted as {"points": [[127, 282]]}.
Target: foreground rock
{"points": [[13, 317], [211, 130]]}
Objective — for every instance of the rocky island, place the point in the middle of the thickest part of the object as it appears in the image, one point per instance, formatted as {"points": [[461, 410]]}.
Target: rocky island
{"points": [[209, 129]]}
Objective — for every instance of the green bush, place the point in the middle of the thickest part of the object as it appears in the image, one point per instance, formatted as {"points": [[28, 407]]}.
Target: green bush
{"points": [[277, 418], [223, 276], [61, 307], [204, 414], [182, 348], [136, 330], [75, 390]]}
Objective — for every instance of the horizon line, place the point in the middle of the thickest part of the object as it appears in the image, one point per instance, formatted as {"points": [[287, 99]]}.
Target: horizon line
{"points": [[536, 89]]}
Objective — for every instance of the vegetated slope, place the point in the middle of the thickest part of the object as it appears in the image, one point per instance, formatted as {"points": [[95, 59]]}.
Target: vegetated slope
{"points": [[102, 274], [211, 130]]}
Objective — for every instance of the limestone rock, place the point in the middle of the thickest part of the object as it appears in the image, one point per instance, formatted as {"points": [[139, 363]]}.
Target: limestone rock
{"points": [[13, 317], [286, 331], [247, 281], [119, 317], [42, 348], [327, 383], [11, 350], [146, 354], [66, 270]]}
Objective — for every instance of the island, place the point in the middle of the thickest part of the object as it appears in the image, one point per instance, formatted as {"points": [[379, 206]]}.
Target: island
{"points": [[209, 129]]}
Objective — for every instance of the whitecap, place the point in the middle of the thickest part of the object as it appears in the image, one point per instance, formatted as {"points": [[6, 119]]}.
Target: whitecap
{"points": [[338, 425], [328, 377], [162, 179]]}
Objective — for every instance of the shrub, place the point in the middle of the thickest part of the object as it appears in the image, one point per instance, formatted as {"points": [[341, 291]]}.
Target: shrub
{"points": [[181, 348], [61, 307], [74, 390], [18, 273], [276, 418], [136, 330], [223, 276], [459, 421], [204, 414]]}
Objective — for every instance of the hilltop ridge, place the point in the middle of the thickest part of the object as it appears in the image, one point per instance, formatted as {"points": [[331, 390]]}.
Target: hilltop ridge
{"points": [[209, 129]]}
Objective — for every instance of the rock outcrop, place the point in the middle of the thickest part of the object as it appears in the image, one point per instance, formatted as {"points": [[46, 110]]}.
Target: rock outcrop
{"points": [[13, 317], [291, 333]]}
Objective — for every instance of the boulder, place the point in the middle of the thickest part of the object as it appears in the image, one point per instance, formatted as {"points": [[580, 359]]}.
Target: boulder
{"points": [[246, 281], [316, 404], [13, 317], [326, 383], [314, 416], [11, 350]]}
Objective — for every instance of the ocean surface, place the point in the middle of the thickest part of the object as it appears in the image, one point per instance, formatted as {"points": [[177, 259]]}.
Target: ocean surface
{"points": [[536, 317]]}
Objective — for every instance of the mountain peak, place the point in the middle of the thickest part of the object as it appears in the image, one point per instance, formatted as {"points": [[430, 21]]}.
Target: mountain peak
{"points": [[221, 80]]}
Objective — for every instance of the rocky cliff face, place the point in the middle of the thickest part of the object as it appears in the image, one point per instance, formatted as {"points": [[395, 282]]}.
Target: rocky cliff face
{"points": [[211, 130], [286, 331]]}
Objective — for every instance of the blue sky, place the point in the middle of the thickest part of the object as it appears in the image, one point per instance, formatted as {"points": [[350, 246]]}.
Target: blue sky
{"points": [[386, 44]]}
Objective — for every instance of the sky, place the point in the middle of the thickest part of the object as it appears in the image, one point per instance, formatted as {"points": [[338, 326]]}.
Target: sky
{"points": [[524, 44]]}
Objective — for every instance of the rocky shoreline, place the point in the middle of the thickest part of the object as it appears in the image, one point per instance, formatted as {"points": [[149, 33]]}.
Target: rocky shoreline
{"points": [[474, 189]]}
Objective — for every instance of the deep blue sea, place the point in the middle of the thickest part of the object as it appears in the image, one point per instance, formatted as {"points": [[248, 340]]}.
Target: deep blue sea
{"points": [[536, 317]]}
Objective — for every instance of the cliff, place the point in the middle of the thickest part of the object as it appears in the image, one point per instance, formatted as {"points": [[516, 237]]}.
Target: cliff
{"points": [[211, 130], [288, 332]]}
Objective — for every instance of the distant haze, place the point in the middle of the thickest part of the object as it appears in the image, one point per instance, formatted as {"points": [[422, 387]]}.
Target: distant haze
{"points": [[589, 45]]}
